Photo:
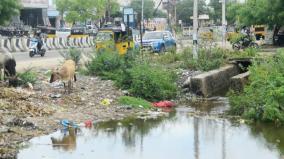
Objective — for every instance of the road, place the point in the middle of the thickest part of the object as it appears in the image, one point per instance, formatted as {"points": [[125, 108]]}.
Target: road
{"points": [[51, 59]]}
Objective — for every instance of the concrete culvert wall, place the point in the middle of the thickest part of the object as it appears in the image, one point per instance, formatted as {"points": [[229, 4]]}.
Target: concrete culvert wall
{"points": [[214, 82], [238, 82]]}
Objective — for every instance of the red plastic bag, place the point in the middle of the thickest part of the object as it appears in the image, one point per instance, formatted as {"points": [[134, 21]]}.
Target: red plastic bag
{"points": [[163, 104]]}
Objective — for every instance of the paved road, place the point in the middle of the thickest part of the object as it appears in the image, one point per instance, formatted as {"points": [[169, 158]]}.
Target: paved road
{"points": [[51, 59]]}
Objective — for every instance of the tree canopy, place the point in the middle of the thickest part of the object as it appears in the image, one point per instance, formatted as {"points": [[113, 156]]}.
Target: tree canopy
{"points": [[8, 9], [258, 12], [185, 9], [82, 10], [148, 7]]}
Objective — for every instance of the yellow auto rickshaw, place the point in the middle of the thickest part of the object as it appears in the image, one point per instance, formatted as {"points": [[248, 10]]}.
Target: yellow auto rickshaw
{"points": [[114, 38]]}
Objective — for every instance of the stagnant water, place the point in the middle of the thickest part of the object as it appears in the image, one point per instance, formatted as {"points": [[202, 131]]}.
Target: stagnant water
{"points": [[178, 136]]}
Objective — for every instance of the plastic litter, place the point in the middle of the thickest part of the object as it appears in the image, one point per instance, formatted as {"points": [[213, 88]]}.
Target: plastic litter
{"points": [[88, 123], [163, 104], [67, 124], [105, 102]]}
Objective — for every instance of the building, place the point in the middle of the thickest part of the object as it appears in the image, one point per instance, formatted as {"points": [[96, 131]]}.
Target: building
{"points": [[34, 12], [53, 15]]}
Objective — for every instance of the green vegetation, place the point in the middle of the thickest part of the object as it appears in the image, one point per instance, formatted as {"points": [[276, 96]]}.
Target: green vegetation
{"points": [[263, 98], [8, 9], [143, 79], [152, 82], [207, 60], [134, 102], [80, 11], [27, 77], [73, 54], [185, 9]]}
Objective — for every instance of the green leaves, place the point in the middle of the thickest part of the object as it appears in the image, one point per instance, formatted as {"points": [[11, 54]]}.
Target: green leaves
{"points": [[258, 12], [8, 8], [82, 10], [263, 98]]}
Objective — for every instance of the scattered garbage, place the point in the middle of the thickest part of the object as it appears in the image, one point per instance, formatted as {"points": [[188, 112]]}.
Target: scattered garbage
{"points": [[88, 123], [57, 85], [55, 95], [162, 104], [67, 124], [105, 102], [21, 123]]}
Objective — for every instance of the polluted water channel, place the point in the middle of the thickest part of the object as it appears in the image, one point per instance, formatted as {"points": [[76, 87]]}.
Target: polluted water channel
{"points": [[180, 135]]}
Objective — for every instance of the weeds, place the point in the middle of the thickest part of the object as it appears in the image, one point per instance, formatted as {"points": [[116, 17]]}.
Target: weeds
{"points": [[263, 98], [134, 102], [27, 77]]}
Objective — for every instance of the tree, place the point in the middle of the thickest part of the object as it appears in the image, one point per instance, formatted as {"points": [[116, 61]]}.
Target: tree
{"points": [[81, 10], [148, 7], [215, 11], [8, 9], [261, 12], [185, 9]]}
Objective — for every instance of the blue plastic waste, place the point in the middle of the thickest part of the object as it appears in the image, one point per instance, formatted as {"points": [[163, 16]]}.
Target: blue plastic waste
{"points": [[67, 124]]}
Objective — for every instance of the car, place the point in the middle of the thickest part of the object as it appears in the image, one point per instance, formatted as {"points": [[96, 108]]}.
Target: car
{"points": [[158, 41]]}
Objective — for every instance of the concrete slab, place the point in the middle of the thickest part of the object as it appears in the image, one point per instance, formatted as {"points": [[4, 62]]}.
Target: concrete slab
{"points": [[214, 82], [238, 82]]}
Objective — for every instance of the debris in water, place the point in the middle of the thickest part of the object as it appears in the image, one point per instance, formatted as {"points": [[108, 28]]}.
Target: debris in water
{"points": [[88, 123]]}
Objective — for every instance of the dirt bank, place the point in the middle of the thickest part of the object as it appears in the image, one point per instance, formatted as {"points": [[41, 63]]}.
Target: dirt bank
{"points": [[26, 112]]}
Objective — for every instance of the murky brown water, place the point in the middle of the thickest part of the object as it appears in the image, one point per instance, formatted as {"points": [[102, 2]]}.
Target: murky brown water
{"points": [[179, 136]]}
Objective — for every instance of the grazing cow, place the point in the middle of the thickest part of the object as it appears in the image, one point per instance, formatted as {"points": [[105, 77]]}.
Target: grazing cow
{"points": [[8, 65], [65, 73]]}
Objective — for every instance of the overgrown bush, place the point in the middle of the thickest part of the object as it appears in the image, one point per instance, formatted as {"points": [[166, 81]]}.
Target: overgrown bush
{"points": [[27, 77], [152, 82], [207, 59], [143, 80], [106, 64], [134, 102], [169, 58], [263, 98]]}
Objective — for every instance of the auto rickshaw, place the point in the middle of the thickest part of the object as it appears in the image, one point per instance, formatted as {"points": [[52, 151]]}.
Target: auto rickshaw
{"points": [[50, 32], [114, 38], [79, 32], [259, 31]]}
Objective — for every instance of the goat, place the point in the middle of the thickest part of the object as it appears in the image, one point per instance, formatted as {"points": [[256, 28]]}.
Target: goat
{"points": [[65, 73], [8, 65]]}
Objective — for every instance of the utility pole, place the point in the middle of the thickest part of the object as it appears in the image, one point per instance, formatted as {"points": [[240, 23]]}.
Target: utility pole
{"points": [[142, 15], [195, 26], [224, 23]]}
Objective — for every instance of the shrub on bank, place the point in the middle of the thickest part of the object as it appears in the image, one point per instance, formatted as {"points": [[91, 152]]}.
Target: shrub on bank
{"points": [[152, 82], [107, 64], [207, 59], [263, 98], [143, 80]]}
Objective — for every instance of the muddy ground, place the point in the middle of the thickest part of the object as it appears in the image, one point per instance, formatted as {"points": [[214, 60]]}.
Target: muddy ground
{"points": [[30, 112]]}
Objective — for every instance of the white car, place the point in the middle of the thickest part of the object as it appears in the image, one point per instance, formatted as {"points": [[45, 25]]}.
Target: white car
{"points": [[63, 32]]}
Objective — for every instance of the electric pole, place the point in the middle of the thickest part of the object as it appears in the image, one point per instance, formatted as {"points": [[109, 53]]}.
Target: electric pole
{"points": [[195, 26], [142, 15], [224, 23]]}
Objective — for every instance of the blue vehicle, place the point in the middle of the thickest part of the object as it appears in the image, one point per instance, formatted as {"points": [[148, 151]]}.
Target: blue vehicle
{"points": [[158, 41]]}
